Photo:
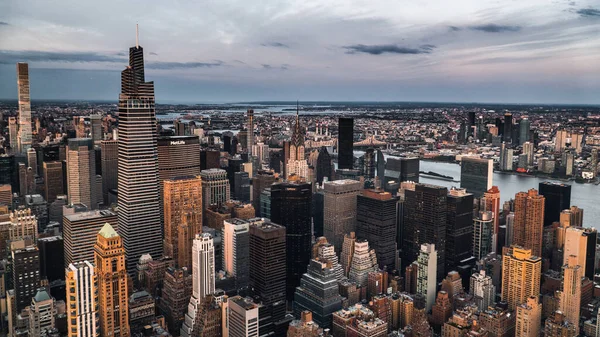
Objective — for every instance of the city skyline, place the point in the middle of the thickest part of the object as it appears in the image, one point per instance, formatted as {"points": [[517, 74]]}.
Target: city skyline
{"points": [[473, 51]]}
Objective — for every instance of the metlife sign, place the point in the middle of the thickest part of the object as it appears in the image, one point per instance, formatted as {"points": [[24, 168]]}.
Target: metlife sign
{"points": [[177, 142]]}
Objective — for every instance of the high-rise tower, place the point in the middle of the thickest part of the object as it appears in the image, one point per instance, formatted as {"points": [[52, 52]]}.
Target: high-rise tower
{"points": [[529, 221], [345, 143], [82, 300], [297, 163], [521, 273], [24, 138], [339, 215], [138, 188], [81, 172], [112, 283], [250, 139]]}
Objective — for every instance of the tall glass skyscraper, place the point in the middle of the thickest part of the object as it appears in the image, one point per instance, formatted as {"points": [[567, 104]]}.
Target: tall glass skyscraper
{"points": [[138, 189], [346, 143]]}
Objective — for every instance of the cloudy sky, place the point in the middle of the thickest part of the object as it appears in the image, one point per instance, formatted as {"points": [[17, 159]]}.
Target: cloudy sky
{"points": [[521, 51]]}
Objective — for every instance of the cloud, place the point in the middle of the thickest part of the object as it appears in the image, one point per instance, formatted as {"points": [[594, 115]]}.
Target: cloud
{"points": [[494, 28], [387, 48], [275, 44], [13, 56], [184, 65], [2, 23], [589, 12], [153, 53], [270, 67], [453, 28]]}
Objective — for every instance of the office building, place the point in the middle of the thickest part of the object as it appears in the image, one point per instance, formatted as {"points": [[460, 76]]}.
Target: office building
{"points": [[203, 282], [339, 210], [296, 163], [364, 261], [32, 161], [81, 172], [476, 175], [267, 272], [110, 168], [23, 225], [424, 221], [459, 227], [236, 250], [96, 127], [498, 320], [53, 180], [141, 311], [442, 309], [291, 207], [324, 166], [347, 252], [176, 294], [138, 185], [521, 273], [426, 274], [241, 186], [26, 273], [215, 188], [82, 300], [42, 313], [570, 295], [529, 318], [483, 290], [557, 325], [182, 208], [345, 143], [80, 231], [51, 250], [508, 123], [318, 293], [376, 223], [524, 128], [13, 130], [6, 196], [110, 269], [178, 156], [325, 252], [242, 317], [491, 203], [528, 151], [580, 243], [8, 172], [402, 169], [558, 198], [260, 181], [24, 135], [529, 221], [483, 227]]}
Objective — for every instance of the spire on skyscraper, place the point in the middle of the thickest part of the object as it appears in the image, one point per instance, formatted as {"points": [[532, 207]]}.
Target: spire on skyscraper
{"points": [[137, 36]]}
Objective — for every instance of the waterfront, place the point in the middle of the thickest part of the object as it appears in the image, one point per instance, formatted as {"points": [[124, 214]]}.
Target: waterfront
{"points": [[586, 196]]}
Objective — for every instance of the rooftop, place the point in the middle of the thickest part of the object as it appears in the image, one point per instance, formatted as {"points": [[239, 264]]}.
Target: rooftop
{"points": [[108, 231]]}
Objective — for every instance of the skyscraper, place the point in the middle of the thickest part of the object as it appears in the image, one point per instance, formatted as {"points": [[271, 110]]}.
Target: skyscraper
{"points": [[80, 233], [242, 317], [324, 165], [570, 296], [138, 187], [424, 221], [250, 139], [339, 210], [13, 130], [529, 221], [182, 200], [376, 223], [291, 208], [426, 274], [215, 188], [53, 180], [110, 166], [26, 273], [521, 273], [482, 289], [260, 181], [267, 271], [318, 293], [459, 227], [483, 227], [524, 127], [24, 140], [558, 198], [529, 318], [297, 164], [491, 202], [81, 172], [364, 261], [508, 123], [345, 143], [112, 283], [178, 156], [236, 250], [203, 281], [476, 175], [82, 300]]}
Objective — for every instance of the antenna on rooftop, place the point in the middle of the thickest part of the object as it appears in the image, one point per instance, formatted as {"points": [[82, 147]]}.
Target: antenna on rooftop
{"points": [[137, 36]]}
